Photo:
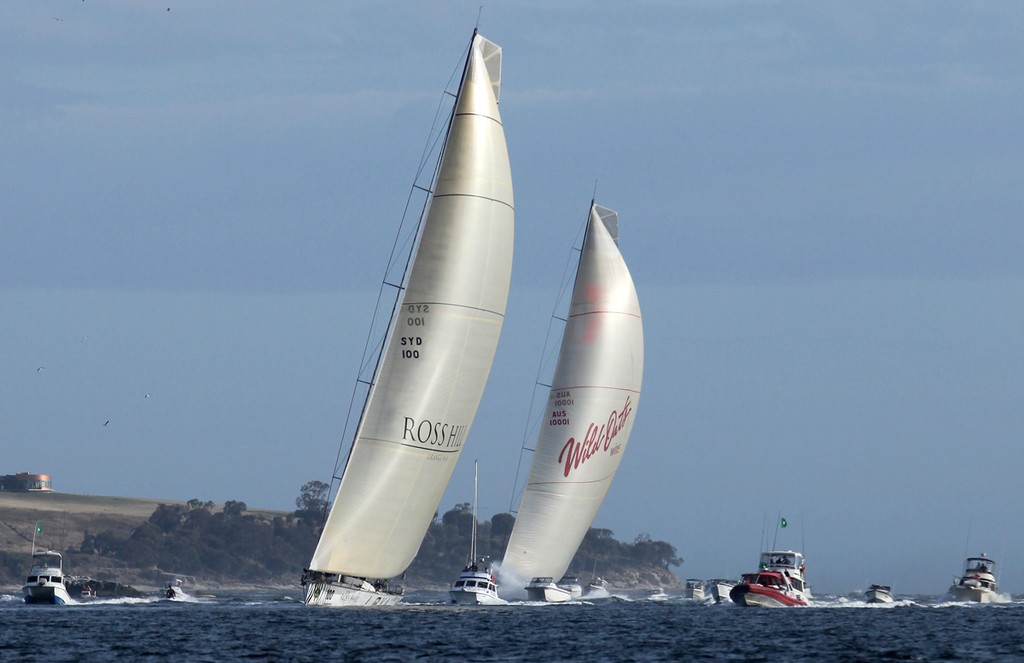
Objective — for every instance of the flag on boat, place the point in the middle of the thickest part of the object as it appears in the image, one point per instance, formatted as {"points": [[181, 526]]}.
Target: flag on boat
{"points": [[782, 522], [39, 530]]}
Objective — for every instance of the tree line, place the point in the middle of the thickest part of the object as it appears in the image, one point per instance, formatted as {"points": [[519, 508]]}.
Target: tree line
{"points": [[231, 545]]}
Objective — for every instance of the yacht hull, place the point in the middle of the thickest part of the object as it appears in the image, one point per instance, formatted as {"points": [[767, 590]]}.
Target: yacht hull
{"points": [[336, 595]]}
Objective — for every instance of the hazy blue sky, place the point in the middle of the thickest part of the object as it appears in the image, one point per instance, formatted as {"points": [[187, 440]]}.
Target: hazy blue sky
{"points": [[822, 204]]}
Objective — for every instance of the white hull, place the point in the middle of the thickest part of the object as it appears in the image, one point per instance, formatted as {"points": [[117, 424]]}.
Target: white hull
{"points": [[548, 593], [475, 597], [878, 596], [694, 590], [719, 590], [50, 593], [974, 594], [333, 594]]}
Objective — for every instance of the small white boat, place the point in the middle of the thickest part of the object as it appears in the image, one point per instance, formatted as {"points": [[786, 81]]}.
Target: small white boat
{"points": [[978, 582], [780, 582], [45, 581], [879, 594], [693, 589], [475, 586], [719, 588], [547, 590], [597, 588], [656, 594]]}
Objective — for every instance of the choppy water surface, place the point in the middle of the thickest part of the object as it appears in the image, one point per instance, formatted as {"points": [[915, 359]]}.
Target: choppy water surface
{"points": [[276, 626]]}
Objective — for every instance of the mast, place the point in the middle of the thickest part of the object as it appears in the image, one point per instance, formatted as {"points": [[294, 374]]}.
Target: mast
{"points": [[472, 545]]}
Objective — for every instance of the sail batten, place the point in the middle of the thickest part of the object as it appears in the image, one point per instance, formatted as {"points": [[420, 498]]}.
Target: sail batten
{"points": [[590, 412], [436, 360]]}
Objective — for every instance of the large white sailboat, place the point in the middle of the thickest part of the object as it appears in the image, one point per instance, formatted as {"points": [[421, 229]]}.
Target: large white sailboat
{"points": [[435, 361], [590, 412]]}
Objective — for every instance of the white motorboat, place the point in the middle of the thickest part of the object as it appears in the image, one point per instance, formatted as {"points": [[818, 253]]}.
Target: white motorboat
{"points": [[597, 588], [475, 586], [545, 589], [780, 582], [878, 594], [431, 356], [655, 594], [591, 407], [978, 582], [45, 582], [719, 588], [693, 589]]}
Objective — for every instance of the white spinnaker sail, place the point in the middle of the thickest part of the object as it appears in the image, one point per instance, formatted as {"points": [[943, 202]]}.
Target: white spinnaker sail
{"points": [[590, 410], [432, 375]]}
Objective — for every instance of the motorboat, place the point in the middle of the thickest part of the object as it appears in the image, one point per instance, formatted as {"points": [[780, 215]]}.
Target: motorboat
{"points": [[475, 586], [978, 582], [45, 582], [693, 589], [719, 588], [547, 590], [779, 582], [878, 594], [655, 594], [597, 588]]}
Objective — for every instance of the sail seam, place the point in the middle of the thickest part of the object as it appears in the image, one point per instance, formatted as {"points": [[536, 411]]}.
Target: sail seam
{"points": [[492, 119], [462, 306], [474, 195], [632, 315], [412, 446]]}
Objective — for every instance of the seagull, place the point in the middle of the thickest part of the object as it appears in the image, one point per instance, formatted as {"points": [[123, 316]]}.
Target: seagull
{"points": [[40, 369], [147, 395]]}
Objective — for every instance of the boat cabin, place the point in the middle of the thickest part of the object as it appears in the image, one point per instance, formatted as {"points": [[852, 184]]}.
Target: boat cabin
{"points": [[782, 559], [767, 579], [482, 583], [542, 580], [979, 565]]}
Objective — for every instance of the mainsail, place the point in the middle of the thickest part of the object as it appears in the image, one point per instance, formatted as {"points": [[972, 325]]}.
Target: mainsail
{"points": [[442, 341], [590, 409]]}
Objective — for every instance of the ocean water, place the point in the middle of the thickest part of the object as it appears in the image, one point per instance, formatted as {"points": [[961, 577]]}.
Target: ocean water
{"points": [[277, 627]]}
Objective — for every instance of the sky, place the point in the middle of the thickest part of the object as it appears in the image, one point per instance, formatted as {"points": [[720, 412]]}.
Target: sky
{"points": [[821, 203]]}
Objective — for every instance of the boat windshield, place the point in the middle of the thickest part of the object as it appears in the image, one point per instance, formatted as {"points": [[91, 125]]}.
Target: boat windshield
{"points": [[50, 560], [980, 565], [783, 558]]}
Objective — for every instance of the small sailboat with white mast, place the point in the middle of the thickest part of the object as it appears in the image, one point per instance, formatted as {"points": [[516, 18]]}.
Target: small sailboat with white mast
{"points": [[590, 412], [433, 360], [476, 584]]}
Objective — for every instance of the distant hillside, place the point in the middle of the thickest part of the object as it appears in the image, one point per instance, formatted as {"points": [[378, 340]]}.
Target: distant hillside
{"points": [[141, 542]]}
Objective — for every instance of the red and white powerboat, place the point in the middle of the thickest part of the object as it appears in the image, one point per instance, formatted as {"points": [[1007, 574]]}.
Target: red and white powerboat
{"points": [[779, 583]]}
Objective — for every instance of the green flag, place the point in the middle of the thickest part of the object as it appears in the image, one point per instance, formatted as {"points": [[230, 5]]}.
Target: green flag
{"points": [[39, 530], [782, 522]]}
